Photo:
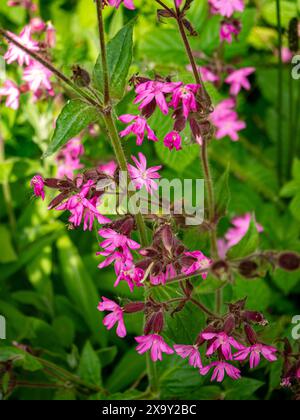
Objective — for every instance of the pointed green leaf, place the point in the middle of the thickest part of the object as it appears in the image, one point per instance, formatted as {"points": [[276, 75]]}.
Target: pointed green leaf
{"points": [[89, 366], [75, 116]]}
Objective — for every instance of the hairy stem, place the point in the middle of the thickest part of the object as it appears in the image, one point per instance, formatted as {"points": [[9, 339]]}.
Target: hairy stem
{"points": [[103, 52], [203, 308], [280, 96]]}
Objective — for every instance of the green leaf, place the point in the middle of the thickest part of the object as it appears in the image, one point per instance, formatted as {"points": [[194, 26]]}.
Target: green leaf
{"points": [[288, 11], [65, 329], [222, 193], [290, 189], [296, 170], [295, 207], [80, 286], [8, 253], [242, 389], [89, 367], [20, 358], [75, 116], [119, 58], [247, 245]]}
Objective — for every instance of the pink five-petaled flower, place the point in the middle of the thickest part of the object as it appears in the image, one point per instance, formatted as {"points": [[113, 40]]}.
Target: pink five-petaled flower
{"points": [[186, 95], [115, 240], [240, 228], [37, 183], [227, 31], [127, 271], [173, 140], [83, 208], [219, 371], [11, 91], [154, 342], [16, 54], [201, 262], [226, 120], [139, 127], [227, 7], [127, 3], [141, 176], [190, 352], [238, 80], [154, 91], [255, 351], [38, 77], [223, 342], [116, 316]]}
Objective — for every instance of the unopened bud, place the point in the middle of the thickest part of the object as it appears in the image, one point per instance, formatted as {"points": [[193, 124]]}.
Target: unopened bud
{"points": [[167, 237], [248, 268], [158, 323], [133, 307], [255, 317], [229, 324], [80, 76], [251, 335], [289, 261]]}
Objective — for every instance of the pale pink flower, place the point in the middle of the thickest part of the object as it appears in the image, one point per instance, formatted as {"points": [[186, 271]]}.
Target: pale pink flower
{"points": [[240, 228], [201, 262], [84, 209], [230, 128], [108, 168], [185, 95], [223, 342], [207, 75], [50, 35], [286, 54], [228, 31], [173, 140], [127, 3], [116, 316], [143, 176], [16, 54], [38, 77], [12, 93], [155, 343], [220, 368], [224, 110], [127, 271], [238, 79], [255, 352], [139, 127], [37, 183], [37, 24], [190, 352], [154, 91], [114, 240], [27, 4], [68, 158], [225, 118], [227, 7]]}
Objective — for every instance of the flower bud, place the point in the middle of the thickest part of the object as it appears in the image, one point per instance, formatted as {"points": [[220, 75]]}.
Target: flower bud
{"points": [[220, 269], [229, 324], [167, 237], [289, 261], [248, 269], [133, 307], [251, 335], [80, 76], [158, 322], [255, 317]]}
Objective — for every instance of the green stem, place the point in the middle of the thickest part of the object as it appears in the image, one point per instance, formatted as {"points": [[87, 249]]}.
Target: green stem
{"points": [[292, 142], [103, 52], [297, 124], [7, 193], [280, 96]]}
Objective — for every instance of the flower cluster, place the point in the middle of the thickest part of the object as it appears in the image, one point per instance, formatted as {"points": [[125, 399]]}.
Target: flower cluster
{"points": [[230, 27], [68, 159]]}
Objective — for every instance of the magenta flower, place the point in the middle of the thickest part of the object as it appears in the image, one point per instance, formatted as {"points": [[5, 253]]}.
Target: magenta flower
{"points": [[201, 262], [240, 228], [12, 93], [127, 271], [228, 31], [186, 95], [227, 7], [127, 3], [255, 352], [117, 257], [116, 316], [173, 140], [230, 128], [190, 352], [141, 176], [238, 80], [108, 168], [139, 127], [37, 183], [115, 240], [223, 342], [226, 120], [68, 158], [219, 371], [155, 343], [82, 208], [38, 77], [178, 3], [208, 76], [16, 54], [154, 91]]}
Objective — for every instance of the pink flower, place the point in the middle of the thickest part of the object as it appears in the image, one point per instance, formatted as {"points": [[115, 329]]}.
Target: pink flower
{"points": [[127, 271], [238, 80], [227, 7], [117, 257], [201, 262], [83, 208], [154, 91], [224, 110], [240, 228], [108, 168], [173, 140], [37, 25], [219, 371], [68, 158], [38, 77], [50, 35], [223, 342], [116, 316], [11, 91], [178, 3], [185, 95], [190, 352], [127, 3], [154, 342], [139, 127], [16, 54], [141, 176], [226, 120], [27, 4], [37, 183], [208, 76], [230, 128], [255, 352], [115, 240], [286, 54], [227, 31]]}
